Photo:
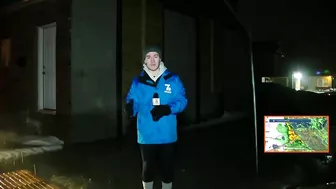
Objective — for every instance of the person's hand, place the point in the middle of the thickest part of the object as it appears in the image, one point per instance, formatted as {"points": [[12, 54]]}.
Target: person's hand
{"points": [[129, 108], [159, 111]]}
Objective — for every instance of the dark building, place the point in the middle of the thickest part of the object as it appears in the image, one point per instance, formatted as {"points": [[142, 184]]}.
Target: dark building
{"points": [[81, 55], [268, 60]]}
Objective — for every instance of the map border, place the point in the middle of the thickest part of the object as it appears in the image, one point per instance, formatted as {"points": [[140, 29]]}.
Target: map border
{"points": [[297, 116]]}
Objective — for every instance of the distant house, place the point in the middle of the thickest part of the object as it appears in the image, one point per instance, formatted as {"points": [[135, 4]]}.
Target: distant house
{"points": [[316, 83], [309, 83], [80, 56]]}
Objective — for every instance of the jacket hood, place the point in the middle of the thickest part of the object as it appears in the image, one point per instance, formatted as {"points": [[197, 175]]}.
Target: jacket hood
{"points": [[162, 69]]}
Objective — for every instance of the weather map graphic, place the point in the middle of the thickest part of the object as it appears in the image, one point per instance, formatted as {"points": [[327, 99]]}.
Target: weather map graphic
{"points": [[296, 134]]}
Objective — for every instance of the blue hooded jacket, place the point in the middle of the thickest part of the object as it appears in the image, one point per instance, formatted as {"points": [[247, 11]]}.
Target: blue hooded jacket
{"points": [[171, 92]]}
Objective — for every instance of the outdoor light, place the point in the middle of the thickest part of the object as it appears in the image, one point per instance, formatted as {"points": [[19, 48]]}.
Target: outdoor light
{"points": [[297, 80], [297, 75]]}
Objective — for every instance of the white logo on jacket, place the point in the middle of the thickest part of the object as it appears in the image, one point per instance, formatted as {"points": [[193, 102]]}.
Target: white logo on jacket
{"points": [[168, 89]]}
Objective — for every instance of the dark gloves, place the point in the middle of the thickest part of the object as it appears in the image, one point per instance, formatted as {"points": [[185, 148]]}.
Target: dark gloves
{"points": [[159, 111], [129, 108]]}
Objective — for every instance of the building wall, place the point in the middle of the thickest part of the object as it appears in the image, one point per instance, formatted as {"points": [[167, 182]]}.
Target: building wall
{"points": [[20, 25], [281, 80], [211, 101], [142, 22], [317, 82], [213, 76], [309, 83], [94, 66], [94, 70], [180, 49], [233, 76]]}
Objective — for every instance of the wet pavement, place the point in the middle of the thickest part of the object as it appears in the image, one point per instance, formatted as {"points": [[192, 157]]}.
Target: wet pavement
{"points": [[222, 156]]}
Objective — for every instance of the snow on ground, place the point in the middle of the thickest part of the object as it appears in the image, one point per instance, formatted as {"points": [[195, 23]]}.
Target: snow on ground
{"points": [[33, 145], [34, 140]]}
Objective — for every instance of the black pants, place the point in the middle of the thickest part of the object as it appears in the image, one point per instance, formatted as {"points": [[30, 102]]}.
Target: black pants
{"points": [[158, 156]]}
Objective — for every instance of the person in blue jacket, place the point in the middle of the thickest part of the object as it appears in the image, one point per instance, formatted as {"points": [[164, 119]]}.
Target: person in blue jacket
{"points": [[155, 98]]}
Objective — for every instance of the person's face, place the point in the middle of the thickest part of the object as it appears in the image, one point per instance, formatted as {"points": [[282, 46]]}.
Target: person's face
{"points": [[152, 61]]}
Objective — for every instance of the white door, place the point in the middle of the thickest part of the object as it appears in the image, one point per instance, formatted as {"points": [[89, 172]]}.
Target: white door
{"points": [[47, 67]]}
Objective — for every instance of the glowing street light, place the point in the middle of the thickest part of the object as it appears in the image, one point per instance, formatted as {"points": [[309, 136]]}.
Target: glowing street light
{"points": [[297, 83], [297, 75]]}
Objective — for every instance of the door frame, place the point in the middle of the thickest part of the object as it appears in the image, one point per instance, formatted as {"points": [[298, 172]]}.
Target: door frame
{"points": [[40, 49]]}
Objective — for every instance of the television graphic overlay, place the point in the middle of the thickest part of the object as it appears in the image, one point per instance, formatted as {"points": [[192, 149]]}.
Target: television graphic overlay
{"points": [[296, 134]]}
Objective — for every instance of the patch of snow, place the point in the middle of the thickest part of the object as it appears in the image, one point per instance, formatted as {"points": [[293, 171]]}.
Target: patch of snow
{"points": [[20, 153], [39, 145], [40, 140]]}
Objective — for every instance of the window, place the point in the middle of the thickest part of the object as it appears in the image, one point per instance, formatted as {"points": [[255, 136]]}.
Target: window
{"points": [[5, 52], [323, 82]]}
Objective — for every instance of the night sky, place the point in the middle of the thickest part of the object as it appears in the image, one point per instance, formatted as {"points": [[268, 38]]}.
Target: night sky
{"points": [[306, 30]]}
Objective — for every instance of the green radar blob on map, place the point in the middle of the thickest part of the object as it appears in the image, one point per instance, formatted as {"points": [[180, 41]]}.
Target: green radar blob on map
{"points": [[290, 139], [282, 129]]}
